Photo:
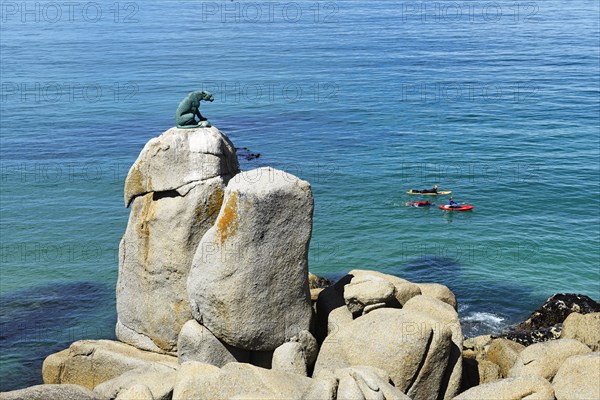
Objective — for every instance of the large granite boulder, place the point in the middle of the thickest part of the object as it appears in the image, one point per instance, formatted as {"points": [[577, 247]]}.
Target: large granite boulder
{"points": [[135, 392], [90, 362], [405, 290], [296, 356], [356, 383], [525, 387], [544, 359], [196, 343], [179, 158], [175, 190], [578, 378], [362, 293], [585, 328], [249, 279], [440, 292], [157, 378], [447, 316], [411, 347], [54, 392], [504, 353], [545, 322], [236, 380], [368, 290]]}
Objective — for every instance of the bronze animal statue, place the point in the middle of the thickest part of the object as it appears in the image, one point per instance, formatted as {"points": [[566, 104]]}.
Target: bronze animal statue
{"points": [[189, 109]]}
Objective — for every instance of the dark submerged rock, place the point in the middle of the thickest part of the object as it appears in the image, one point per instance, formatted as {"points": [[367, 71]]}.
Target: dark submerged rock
{"points": [[545, 323]]}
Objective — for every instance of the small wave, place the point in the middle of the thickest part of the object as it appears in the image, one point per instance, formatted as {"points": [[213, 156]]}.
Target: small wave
{"points": [[484, 317], [482, 323]]}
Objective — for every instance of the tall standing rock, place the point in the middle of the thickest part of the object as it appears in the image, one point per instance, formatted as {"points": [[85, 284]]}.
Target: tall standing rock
{"points": [[249, 279], [175, 190]]}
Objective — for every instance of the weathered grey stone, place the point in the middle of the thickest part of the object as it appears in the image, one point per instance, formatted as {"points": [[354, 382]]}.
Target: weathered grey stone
{"points": [[196, 343], [322, 388], [136, 392], [363, 382], [296, 356], [447, 316], [53, 392], [338, 317], [360, 293], [372, 307], [585, 328], [477, 347], [90, 362], [157, 378], [578, 378], [249, 279], [438, 291], [236, 380], [155, 256], [524, 387], [544, 359], [504, 353], [488, 371], [290, 358], [411, 347], [405, 290], [180, 157]]}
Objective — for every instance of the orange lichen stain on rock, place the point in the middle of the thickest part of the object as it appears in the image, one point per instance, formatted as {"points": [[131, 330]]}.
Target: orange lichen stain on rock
{"points": [[133, 182], [210, 209], [146, 214], [227, 222]]}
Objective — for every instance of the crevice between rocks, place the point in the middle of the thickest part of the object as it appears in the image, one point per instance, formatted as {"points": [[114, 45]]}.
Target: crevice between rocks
{"points": [[421, 363]]}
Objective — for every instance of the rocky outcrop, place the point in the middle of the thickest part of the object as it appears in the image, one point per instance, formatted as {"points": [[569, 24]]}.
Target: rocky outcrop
{"points": [[196, 343], [367, 293], [54, 392], [578, 378], [296, 356], [585, 328], [135, 392], [545, 322], [157, 378], [411, 347], [504, 353], [527, 387], [249, 279], [237, 380], [404, 290], [439, 292], [544, 359], [447, 316], [363, 285], [179, 158], [356, 383], [90, 362], [175, 190]]}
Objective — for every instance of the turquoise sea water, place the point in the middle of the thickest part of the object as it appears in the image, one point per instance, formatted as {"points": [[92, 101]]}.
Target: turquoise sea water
{"points": [[499, 102]]}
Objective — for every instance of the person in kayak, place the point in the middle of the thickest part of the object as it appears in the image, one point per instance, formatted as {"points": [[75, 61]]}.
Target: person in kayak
{"points": [[434, 190], [452, 203]]}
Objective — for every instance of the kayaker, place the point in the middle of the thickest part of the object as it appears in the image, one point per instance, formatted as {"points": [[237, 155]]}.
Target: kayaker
{"points": [[452, 203]]}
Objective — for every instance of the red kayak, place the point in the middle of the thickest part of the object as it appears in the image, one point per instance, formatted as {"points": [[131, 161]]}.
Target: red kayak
{"points": [[457, 208]]}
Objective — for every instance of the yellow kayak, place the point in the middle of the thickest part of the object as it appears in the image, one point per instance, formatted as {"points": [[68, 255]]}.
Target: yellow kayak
{"points": [[442, 192]]}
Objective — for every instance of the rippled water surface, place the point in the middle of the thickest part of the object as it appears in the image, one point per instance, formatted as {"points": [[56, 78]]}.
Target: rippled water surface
{"points": [[498, 102]]}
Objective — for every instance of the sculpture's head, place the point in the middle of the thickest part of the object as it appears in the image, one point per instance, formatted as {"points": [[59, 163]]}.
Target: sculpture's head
{"points": [[204, 95]]}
